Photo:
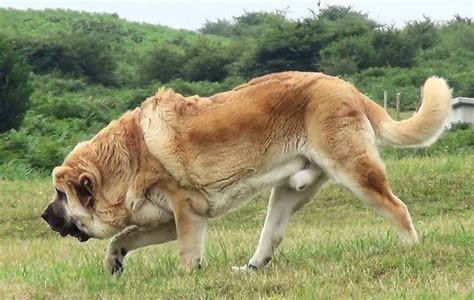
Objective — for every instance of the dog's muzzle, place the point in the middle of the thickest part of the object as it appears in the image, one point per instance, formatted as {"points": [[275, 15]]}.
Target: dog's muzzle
{"points": [[54, 216]]}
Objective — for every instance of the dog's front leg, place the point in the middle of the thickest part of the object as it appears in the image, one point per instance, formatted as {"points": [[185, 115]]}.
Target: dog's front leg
{"points": [[190, 214], [133, 238], [191, 232]]}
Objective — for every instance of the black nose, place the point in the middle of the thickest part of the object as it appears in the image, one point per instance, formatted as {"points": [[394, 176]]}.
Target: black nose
{"points": [[45, 217], [54, 215], [54, 220]]}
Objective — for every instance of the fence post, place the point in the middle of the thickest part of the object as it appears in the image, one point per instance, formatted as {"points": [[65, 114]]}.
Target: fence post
{"points": [[385, 99], [420, 100], [398, 106]]}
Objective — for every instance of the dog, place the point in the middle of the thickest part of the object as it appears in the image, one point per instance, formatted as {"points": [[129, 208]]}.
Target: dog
{"points": [[162, 171]]}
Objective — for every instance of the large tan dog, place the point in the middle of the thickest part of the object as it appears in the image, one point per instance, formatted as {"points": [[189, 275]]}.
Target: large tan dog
{"points": [[162, 171]]}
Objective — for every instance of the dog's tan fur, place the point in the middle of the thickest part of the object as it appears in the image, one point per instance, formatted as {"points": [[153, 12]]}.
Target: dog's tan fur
{"points": [[202, 157]]}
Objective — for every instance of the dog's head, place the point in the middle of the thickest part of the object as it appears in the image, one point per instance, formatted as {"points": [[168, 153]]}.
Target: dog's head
{"points": [[58, 217], [102, 184], [89, 200], [92, 183]]}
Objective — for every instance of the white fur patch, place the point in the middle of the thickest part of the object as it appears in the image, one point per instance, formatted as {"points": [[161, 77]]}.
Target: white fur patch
{"points": [[303, 179]]}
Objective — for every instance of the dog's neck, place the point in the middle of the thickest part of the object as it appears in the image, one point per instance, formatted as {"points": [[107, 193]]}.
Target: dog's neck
{"points": [[157, 118]]}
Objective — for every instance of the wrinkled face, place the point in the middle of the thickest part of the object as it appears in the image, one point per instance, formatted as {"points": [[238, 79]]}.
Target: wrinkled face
{"points": [[58, 217], [78, 209]]}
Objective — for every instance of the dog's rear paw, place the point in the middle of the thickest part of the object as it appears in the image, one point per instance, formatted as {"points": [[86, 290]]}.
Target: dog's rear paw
{"points": [[409, 239], [246, 268]]}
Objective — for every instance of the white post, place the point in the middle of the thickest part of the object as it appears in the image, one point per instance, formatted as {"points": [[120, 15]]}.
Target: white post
{"points": [[398, 106]]}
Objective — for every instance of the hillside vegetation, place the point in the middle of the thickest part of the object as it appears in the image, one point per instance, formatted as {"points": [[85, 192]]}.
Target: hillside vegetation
{"points": [[65, 74]]}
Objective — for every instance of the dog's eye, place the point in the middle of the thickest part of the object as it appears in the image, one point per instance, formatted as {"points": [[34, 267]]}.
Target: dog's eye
{"points": [[60, 193]]}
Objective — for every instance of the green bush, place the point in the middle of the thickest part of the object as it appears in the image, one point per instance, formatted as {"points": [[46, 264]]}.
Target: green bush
{"points": [[77, 54], [162, 63], [348, 55], [207, 60], [203, 88], [15, 87]]}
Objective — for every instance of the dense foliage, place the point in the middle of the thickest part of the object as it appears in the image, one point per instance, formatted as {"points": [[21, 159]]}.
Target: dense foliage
{"points": [[14, 87], [86, 69]]}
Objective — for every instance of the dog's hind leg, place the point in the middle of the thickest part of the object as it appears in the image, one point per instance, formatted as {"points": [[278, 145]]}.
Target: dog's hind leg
{"points": [[134, 238], [284, 201], [366, 178], [344, 147], [368, 181]]}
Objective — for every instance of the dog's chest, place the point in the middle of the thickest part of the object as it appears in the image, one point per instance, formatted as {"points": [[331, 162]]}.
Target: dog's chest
{"points": [[222, 201]]}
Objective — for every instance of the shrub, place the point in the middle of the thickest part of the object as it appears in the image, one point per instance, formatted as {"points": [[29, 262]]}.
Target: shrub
{"points": [[15, 88], [203, 88], [207, 60], [162, 63]]}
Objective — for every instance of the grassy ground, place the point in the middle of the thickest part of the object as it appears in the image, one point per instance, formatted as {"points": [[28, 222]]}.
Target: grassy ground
{"points": [[335, 247]]}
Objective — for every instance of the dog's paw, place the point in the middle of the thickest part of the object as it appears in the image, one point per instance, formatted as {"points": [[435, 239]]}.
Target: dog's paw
{"points": [[409, 239], [246, 268], [191, 265], [114, 261], [134, 203]]}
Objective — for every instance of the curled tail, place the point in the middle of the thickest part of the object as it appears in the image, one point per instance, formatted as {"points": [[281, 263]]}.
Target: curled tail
{"points": [[423, 128]]}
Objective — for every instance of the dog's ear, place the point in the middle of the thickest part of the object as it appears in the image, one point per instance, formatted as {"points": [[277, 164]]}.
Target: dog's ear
{"points": [[61, 174], [85, 190], [86, 182]]}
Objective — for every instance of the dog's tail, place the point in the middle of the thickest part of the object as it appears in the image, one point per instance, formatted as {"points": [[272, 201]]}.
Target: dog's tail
{"points": [[423, 128]]}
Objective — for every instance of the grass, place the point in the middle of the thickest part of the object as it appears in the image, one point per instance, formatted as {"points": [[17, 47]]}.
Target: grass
{"points": [[334, 248]]}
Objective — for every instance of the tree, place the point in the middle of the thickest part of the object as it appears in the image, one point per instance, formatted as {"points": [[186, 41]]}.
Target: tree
{"points": [[221, 27], [286, 46], [393, 49], [15, 89], [422, 33], [348, 55], [289, 45]]}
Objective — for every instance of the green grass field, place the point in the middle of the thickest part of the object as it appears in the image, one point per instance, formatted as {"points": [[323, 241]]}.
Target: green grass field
{"points": [[335, 247]]}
